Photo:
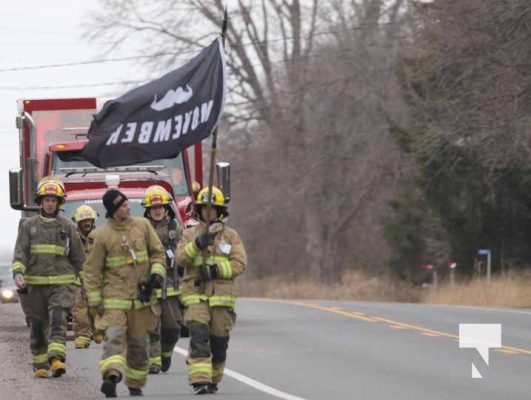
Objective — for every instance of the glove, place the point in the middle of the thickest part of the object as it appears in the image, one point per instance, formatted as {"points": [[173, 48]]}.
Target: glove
{"points": [[209, 272], [96, 310], [204, 240], [155, 281], [144, 293]]}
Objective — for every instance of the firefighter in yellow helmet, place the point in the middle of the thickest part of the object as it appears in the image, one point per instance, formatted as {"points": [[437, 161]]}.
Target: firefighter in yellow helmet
{"points": [[47, 260], [124, 266], [213, 256], [85, 217], [157, 202]]}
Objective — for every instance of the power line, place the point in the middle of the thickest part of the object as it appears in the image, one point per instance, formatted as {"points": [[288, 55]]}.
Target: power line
{"points": [[87, 62], [161, 54], [141, 81]]}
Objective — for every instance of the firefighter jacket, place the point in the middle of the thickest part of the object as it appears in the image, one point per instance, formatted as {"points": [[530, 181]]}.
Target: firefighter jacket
{"points": [[227, 252], [169, 233], [121, 258], [48, 251], [84, 241]]}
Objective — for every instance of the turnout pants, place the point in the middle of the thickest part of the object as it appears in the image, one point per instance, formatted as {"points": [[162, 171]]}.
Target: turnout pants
{"points": [[125, 347], [83, 323], [47, 307], [165, 336], [209, 339]]}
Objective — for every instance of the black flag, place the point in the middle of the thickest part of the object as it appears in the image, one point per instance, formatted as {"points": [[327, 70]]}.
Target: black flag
{"points": [[163, 117]]}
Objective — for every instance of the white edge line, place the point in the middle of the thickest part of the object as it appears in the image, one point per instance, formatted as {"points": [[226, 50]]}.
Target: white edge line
{"points": [[249, 381]]}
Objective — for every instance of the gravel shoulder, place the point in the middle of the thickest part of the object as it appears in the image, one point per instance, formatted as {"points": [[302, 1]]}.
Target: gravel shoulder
{"points": [[16, 376]]}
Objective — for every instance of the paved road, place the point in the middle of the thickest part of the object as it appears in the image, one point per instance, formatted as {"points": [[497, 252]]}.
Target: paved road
{"points": [[353, 350], [313, 350]]}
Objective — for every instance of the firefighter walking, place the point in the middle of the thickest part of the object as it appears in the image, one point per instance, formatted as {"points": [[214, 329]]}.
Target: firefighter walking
{"points": [[84, 332], [48, 258], [157, 202], [212, 259], [125, 265]]}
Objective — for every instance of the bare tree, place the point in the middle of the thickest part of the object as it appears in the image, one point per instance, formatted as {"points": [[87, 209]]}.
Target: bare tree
{"points": [[315, 82]]}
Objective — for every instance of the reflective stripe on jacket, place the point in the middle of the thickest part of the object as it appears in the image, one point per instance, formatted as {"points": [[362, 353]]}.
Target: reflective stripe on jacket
{"points": [[227, 252], [122, 256], [48, 251]]}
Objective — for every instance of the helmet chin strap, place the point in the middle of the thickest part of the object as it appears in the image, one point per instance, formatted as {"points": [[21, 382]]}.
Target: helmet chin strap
{"points": [[46, 215]]}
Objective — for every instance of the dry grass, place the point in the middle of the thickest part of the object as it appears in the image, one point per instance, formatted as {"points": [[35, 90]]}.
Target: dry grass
{"points": [[508, 291], [354, 286]]}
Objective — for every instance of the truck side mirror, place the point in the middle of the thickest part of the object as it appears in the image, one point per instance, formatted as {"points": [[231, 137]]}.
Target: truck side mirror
{"points": [[16, 180], [223, 174], [16, 191]]}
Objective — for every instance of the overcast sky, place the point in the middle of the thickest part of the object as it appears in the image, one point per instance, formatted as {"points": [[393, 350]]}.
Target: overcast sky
{"points": [[44, 33]]}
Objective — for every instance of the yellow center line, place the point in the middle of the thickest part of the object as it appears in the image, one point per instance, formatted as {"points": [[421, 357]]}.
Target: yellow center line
{"points": [[394, 324], [397, 327], [507, 351]]}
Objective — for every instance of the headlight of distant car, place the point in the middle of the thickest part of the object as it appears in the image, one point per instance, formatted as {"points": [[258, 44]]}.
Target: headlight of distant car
{"points": [[7, 293]]}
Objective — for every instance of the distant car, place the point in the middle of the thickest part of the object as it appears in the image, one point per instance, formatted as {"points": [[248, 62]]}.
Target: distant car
{"points": [[9, 294], [8, 290]]}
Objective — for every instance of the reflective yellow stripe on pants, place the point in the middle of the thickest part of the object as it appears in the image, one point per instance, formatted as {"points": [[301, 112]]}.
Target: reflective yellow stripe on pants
{"points": [[199, 372], [113, 362], [136, 374]]}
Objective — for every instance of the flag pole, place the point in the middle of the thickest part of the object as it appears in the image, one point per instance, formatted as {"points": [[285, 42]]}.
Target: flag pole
{"points": [[213, 150]]}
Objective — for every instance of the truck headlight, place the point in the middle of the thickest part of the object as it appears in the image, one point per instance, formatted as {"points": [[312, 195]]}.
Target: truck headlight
{"points": [[7, 293]]}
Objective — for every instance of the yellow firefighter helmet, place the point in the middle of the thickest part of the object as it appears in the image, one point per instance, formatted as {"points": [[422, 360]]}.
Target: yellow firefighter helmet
{"points": [[156, 195], [50, 186], [84, 212], [217, 197]]}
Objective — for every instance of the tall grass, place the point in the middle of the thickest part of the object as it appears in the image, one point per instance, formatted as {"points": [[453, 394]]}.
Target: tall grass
{"points": [[503, 291], [354, 286]]}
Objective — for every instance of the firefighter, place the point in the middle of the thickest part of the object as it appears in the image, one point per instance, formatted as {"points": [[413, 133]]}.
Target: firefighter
{"points": [[124, 265], [158, 210], [84, 332], [212, 255], [48, 258]]}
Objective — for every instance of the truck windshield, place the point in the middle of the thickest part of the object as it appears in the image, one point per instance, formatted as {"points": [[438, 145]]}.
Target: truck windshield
{"points": [[70, 206], [67, 162]]}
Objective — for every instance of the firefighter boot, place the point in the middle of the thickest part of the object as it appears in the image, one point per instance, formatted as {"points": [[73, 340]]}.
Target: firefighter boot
{"points": [[135, 392], [200, 388], [212, 387], [108, 387], [153, 369], [58, 367], [41, 373], [81, 342], [165, 364], [97, 338]]}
